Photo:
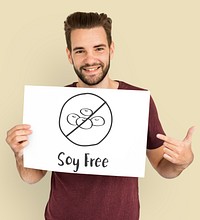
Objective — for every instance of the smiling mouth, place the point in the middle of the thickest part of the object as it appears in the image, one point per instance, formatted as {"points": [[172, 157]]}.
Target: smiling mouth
{"points": [[91, 69]]}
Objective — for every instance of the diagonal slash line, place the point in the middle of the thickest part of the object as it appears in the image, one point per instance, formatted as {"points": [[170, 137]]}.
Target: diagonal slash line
{"points": [[86, 119]]}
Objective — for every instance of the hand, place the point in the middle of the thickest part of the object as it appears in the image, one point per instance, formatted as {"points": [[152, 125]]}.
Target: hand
{"points": [[178, 152], [17, 138]]}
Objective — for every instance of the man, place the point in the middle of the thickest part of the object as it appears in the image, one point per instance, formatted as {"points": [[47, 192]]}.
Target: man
{"points": [[84, 197]]}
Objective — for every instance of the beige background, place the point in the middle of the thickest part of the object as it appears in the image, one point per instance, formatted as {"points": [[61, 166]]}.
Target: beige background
{"points": [[157, 47]]}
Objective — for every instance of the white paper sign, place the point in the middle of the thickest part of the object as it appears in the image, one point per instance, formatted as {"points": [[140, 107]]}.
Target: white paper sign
{"points": [[88, 131]]}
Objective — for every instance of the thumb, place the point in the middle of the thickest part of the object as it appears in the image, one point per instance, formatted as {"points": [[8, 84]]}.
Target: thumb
{"points": [[189, 134]]}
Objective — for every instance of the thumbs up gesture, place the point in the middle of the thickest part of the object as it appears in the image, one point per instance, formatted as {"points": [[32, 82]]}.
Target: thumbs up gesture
{"points": [[178, 152]]}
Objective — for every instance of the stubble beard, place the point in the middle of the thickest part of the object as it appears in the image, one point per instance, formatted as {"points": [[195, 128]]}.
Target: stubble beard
{"points": [[91, 81]]}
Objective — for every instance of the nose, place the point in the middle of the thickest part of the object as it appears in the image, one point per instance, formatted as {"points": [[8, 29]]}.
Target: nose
{"points": [[90, 58]]}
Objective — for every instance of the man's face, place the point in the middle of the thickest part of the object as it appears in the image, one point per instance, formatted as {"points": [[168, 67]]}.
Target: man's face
{"points": [[90, 54]]}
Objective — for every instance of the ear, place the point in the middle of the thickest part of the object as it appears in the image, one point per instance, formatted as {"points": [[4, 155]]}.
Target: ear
{"points": [[112, 48], [69, 55]]}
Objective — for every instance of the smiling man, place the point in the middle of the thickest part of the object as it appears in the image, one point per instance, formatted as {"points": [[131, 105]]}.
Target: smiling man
{"points": [[89, 197]]}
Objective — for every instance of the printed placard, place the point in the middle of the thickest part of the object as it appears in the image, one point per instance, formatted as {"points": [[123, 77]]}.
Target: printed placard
{"points": [[86, 130]]}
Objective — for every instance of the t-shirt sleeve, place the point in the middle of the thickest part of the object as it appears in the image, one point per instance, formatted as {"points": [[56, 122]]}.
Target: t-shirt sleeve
{"points": [[154, 127]]}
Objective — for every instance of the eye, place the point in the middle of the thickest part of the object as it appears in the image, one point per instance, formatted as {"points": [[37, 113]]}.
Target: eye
{"points": [[100, 49], [79, 51]]}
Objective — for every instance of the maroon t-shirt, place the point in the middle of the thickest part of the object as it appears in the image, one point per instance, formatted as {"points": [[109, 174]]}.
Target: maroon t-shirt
{"points": [[95, 197]]}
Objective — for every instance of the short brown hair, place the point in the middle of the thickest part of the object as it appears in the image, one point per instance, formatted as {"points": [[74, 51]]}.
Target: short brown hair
{"points": [[84, 20]]}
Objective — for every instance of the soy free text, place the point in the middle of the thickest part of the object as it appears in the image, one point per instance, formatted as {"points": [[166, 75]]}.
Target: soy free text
{"points": [[88, 161]]}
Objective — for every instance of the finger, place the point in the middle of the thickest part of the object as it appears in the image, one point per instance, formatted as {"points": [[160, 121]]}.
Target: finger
{"points": [[23, 144], [17, 141], [189, 134], [170, 146], [168, 139], [18, 146], [18, 136], [169, 158], [18, 127], [170, 152], [170, 155]]}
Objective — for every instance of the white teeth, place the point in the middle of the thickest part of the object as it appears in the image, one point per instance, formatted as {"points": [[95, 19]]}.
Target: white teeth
{"points": [[91, 69]]}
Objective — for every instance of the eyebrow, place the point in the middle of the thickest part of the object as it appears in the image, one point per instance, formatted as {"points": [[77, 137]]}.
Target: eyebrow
{"points": [[96, 46], [78, 48], [100, 45]]}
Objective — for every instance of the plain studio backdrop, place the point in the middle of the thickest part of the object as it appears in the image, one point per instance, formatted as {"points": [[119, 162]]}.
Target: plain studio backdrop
{"points": [[157, 47]]}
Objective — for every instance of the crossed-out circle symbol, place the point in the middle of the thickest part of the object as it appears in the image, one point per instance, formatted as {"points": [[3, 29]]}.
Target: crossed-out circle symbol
{"points": [[85, 119]]}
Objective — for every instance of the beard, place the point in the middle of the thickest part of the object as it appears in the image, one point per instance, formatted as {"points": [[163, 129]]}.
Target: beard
{"points": [[91, 81]]}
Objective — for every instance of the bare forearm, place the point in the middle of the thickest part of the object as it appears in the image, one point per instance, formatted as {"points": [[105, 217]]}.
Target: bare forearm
{"points": [[168, 169], [28, 175]]}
